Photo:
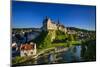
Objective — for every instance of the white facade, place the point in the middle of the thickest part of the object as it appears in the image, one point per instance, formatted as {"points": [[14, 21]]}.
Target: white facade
{"points": [[49, 25], [27, 51]]}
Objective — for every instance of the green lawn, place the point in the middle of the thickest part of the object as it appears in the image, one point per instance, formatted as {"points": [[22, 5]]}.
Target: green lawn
{"points": [[61, 37]]}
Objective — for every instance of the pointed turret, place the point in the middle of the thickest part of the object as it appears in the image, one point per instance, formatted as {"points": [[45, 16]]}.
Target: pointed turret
{"points": [[58, 21], [45, 23]]}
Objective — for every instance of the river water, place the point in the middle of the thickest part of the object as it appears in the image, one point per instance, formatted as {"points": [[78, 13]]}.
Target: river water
{"points": [[73, 54]]}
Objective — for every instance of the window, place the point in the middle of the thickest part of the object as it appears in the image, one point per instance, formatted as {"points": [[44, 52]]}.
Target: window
{"points": [[31, 52], [25, 54]]}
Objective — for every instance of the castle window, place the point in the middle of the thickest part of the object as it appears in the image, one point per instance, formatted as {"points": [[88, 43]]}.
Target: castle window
{"points": [[25, 54], [31, 52]]}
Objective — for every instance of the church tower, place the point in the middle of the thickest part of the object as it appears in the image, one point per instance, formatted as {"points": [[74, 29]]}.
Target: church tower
{"points": [[47, 24]]}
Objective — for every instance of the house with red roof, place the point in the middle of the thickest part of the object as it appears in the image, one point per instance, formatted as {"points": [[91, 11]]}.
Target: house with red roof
{"points": [[28, 49]]}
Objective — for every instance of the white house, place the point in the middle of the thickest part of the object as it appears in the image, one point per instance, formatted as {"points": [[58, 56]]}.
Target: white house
{"points": [[28, 49]]}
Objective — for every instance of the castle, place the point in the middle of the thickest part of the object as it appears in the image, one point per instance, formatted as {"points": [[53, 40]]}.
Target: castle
{"points": [[48, 24]]}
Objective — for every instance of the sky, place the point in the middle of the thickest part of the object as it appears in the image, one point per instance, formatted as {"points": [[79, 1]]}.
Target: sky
{"points": [[32, 14]]}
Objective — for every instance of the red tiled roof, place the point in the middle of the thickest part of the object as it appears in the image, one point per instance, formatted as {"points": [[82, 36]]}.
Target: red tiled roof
{"points": [[26, 47]]}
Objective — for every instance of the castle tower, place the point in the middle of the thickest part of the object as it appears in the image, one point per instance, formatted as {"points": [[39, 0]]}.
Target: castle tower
{"points": [[44, 28], [58, 21], [58, 24]]}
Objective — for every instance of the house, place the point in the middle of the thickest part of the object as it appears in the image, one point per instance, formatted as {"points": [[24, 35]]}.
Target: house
{"points": [[28, 49], [15, 51], [71, 31]]}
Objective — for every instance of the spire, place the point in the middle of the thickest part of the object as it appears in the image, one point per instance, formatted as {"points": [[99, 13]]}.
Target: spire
{"points": [[46, 17], [58, 21]]}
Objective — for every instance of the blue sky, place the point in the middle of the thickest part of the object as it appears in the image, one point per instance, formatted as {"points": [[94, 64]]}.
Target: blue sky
{"points": [[31, 14]]}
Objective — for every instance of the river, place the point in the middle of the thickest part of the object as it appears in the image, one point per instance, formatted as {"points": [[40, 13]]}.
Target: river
{"points": [[75, 53]]}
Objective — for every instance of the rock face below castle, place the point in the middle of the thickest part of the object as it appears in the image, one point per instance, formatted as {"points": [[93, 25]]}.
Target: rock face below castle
{"points": [[48, 24]]}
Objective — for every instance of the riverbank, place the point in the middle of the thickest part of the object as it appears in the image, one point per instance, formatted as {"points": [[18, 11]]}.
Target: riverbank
{"points": [[52, 47], [39, 58]]}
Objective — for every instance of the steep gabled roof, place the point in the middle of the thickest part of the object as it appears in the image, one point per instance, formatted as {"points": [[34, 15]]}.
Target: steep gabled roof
{"points": [[26, 47]]}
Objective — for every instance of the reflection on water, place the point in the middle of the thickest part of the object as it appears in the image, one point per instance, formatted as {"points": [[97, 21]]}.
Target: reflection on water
{"points": [[73, 54]]}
